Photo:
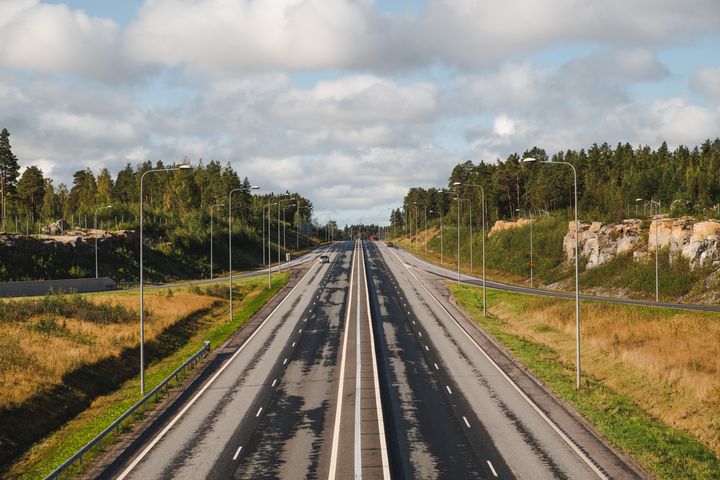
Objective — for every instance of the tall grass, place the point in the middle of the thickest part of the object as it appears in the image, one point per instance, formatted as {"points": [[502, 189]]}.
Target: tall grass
{"points": [[676, 278], [651, 377], [75, 306], [508, 251]]}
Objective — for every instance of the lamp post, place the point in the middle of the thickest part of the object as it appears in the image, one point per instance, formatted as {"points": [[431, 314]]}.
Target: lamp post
{"points": [[285, 225], [577, 268], [278, 228], [459, 200], [142, 289], [416, 222], [482, 192], [211, 236], [653, 203], [441, 233], [230, 279], [268, 205], [297, 227], [96, 238], [531, 243]]}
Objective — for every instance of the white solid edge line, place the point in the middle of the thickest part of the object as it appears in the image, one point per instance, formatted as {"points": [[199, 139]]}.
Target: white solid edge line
{"points": [[237, 453], [376, 381], [209, 382], [338, 408], [358, 377], [532, 404], [492, 469]]}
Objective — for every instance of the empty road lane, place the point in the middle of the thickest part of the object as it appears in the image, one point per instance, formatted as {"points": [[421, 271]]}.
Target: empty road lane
{"points": [[366, 370]]}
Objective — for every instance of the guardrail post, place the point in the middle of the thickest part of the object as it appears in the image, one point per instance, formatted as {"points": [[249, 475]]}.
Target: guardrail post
{"points": [[62, 470]]}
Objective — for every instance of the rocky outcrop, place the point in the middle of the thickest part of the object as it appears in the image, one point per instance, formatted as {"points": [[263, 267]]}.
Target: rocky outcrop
{"points": [[502, 225], [73, 242], [698, 242], [57, 228], [599, 243]]}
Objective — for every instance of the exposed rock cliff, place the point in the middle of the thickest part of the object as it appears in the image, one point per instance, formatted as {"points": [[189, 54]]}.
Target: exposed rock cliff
{"points": [[73, 241], [501, 225], [698, 242]]}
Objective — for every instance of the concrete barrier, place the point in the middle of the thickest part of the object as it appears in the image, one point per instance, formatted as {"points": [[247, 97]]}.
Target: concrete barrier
{"points": [[43, 287]]}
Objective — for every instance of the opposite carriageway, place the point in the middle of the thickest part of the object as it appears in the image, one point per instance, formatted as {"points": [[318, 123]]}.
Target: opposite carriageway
{"points": [[361, 371]]}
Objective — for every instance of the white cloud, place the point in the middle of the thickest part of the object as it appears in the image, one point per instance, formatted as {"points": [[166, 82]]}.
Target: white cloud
{"points": [[224, 36], [56, 39], [356, 100], [221, 36], [503, 126], [706, 82]]}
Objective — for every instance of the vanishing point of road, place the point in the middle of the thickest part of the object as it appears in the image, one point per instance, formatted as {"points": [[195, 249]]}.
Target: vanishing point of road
{"points": [[366, 369]]}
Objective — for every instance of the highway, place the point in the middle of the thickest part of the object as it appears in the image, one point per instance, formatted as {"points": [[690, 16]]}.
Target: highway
{"points": [[366, 370], [450, 274]]}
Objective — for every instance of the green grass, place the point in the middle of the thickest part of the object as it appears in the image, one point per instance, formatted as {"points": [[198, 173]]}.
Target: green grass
{"points": [[676, 277], [666, 452], [55, 449], [509, 251]]}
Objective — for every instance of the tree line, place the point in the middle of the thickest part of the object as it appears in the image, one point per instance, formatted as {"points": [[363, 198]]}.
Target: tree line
{"points": [[33, 198], [611, 183]]}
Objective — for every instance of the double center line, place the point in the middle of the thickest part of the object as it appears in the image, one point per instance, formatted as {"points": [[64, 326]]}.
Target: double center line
{"points": [[367, 445]]}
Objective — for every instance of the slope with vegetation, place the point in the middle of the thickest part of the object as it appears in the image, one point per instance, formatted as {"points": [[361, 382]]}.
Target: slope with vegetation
{"points": [[651, 377], [610, 181], [178, 206], [69, 364]]}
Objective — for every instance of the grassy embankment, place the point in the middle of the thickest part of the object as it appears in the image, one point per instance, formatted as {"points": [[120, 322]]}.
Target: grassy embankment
{"points": [[508, 255], [176, 252], [69, 363], [651, 376]]}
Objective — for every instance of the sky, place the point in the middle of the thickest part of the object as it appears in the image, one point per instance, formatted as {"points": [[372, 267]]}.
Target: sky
{"points": [[350, 102]]}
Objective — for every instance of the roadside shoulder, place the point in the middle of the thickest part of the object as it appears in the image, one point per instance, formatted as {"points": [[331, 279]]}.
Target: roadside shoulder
{"points": [[615, 464]]}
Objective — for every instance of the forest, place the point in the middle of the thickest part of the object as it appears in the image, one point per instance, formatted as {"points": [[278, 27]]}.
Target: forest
{"points": [[613, 183], [177, 206]]}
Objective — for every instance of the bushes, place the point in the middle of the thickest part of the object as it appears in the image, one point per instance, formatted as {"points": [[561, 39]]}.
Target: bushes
{"points": [[509, 250], [74, 306], [676, 277]]}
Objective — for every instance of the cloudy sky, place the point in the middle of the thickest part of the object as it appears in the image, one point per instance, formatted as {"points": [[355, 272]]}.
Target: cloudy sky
{"points": [[350, 102]]}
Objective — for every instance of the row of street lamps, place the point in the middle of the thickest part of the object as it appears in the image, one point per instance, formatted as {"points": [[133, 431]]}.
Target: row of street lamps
{"points": [[484, 280], [186, 167]]}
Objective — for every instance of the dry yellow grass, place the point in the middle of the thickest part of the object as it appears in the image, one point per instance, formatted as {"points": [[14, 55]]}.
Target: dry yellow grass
{"points": [[34, 360], [667, 361]]}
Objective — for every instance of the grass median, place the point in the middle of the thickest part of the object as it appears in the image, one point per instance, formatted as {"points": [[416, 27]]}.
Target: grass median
{"points": [[167, 346], [651, 377]]}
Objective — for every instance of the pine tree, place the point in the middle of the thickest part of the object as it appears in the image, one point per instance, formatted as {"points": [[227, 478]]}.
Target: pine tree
{"points": [[104, 187], [30, 191], [9, 171]]}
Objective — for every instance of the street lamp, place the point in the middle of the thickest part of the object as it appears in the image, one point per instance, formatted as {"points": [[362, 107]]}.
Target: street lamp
{"points": [[297, 227], [278, 228], [416, 222], [211, 236], [653, 203], [268, 205], [577, 267], [96, 238], [285, 225], [441, 234], [531, 242], [142, 289], [482, 191], [459, 200], [230, 280]]}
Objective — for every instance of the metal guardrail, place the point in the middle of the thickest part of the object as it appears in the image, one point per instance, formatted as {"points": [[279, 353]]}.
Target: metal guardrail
{"points": [[115, 426]]}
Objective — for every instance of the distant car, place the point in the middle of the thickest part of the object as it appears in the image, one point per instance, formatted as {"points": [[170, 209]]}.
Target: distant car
{"points": [[324, 259], [390, 244]]}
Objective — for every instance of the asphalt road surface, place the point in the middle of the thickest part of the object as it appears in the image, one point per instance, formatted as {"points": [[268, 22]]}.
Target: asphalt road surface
{"points": [[450, 274], [365, 370]]}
